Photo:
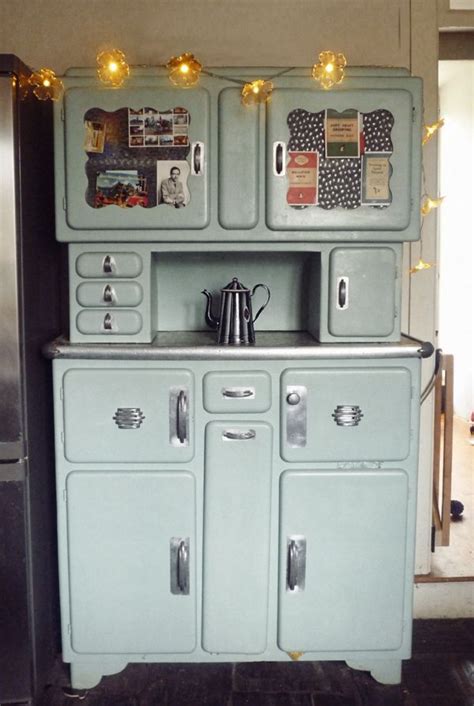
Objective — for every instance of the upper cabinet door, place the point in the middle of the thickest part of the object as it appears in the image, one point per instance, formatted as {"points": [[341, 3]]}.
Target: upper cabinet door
{"points": [[344, 160], [136, 158]]}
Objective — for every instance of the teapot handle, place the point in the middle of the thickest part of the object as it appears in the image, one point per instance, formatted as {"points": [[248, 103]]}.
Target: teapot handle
{"points": [[268, 299]]}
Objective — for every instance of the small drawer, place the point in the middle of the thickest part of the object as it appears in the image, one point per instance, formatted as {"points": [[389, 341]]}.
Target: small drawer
{"points": [[109, 264], [109, 322], [237, 392], [109, 294]]}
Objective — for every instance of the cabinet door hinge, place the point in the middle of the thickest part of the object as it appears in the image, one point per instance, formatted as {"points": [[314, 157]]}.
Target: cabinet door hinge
{"points": [[64, 495], [64, 203], [62, 114]]}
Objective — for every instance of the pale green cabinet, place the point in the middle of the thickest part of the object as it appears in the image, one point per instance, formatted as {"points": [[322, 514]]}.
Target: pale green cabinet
{"points": [[342, 560], [132, 555], [272, 522]]}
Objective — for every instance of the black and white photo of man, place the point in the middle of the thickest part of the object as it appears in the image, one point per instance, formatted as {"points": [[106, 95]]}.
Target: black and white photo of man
{"points": [[172, 191]]}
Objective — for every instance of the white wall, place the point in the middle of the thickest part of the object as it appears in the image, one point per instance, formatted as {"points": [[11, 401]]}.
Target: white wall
{"points": [[456, 227]]}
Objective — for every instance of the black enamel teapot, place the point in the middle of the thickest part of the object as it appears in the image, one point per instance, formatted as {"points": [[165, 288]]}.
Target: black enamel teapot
{"points": [[235, 323]]}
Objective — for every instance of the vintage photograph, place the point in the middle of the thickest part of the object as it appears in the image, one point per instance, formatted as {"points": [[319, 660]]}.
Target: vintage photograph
{"points": [[94, 136], [172, 179]]}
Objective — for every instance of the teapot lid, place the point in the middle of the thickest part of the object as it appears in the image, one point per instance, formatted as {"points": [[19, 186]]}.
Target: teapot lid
{"points": [[235, 286]]}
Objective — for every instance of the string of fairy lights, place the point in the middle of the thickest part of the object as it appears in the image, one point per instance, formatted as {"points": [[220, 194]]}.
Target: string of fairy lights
{"points": [[185, 70]]}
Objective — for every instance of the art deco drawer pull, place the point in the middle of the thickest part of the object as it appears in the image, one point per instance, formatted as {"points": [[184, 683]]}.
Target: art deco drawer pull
{"points": [[108, 265], [238, 392], [108, 321], [347, 415], [279, 158], [109, 294], [128, 417], [239, 435], [181, 417]]}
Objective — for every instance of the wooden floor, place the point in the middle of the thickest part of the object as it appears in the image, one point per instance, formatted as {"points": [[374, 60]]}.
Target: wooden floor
{"points": [[440, 673]]}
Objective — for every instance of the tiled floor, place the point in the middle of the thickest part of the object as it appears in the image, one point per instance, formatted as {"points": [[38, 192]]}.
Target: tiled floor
{"points": [[440, 673]]}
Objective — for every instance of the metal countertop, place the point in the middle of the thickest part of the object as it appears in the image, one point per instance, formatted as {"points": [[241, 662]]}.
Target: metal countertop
{"points": [[201, 345]]}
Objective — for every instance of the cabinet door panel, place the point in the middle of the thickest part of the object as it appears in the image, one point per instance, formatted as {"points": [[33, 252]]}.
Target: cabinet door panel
{"points": [[124, 415], [362, 292], [120, 147], [236, 537], [120, 526], [354, 527], [296, 117], [346, 414]]}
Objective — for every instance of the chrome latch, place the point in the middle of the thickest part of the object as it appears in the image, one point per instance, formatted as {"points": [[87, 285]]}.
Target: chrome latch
{"points": [[128, 417], [347, 415]]}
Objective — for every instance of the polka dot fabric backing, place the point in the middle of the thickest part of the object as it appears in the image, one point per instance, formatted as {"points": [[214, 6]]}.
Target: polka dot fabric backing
{"points": [[339, 181]]}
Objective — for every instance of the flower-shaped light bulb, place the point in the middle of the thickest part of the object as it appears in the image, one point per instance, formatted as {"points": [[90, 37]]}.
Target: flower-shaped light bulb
{"points": [[429, 204], [46, 85], [112, 68], [430, 130], [258, 91], [184, 70], [330, 69], [420, 265]]}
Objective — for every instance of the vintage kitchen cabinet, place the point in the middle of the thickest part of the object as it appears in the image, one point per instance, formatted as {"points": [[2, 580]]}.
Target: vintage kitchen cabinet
{"points": [[311, 165], [223, 507]]}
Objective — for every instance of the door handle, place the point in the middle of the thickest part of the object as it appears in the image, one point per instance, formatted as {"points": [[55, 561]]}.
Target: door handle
{"points": [[296, 563], [179, 566], [181, 417], [343, 293], [197, 159], [279, 158]]}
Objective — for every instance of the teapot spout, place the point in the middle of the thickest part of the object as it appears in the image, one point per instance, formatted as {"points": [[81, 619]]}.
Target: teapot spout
{"points": [[211, 321]]}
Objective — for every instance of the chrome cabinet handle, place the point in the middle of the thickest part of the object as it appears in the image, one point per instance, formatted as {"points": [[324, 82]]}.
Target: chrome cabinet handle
{"points": [[239, 392], [239, 435], [108, 265], [343, 292], [197, 158], [108, 321], [296, 564], [181, 416], [108, 294], [179, 566], [279, 156]]}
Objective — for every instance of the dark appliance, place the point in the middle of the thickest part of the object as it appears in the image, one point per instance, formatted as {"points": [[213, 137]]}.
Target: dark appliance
{"points": [[29, 315]]}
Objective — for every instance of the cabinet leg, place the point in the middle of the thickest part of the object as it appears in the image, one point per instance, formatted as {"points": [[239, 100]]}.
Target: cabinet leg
{"points": [[385, 671], [85, 675]]}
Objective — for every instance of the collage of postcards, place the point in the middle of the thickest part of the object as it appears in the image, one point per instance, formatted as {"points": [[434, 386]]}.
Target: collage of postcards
{"points": [[148, 127]]}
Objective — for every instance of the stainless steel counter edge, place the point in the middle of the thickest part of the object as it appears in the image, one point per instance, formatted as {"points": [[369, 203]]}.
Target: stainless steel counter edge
{"points": [[407, 348]]}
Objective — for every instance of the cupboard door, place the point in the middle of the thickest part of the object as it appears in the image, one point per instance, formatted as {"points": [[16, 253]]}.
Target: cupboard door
{"points": [[237, 491], [128, 415], [123, 530], [342, 560], [342, 160], [361, 292], [120, 148], [346, 414]]}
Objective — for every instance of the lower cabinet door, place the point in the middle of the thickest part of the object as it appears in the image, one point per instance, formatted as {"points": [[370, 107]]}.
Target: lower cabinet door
{"points": [[236, 537], [343, 560], [131, 558]]}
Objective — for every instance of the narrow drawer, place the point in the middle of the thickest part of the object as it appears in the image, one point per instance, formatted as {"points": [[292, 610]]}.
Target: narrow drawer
{"points": [[108, 294], [109, 264], [109, 322], [237, 392]]}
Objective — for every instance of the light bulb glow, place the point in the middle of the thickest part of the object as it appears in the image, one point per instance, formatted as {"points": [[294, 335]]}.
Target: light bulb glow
{"points": [[330, 69], [429, 204], [258, 91], [420, 265], [45, 85], [430, 130], [184, 70], [112, 67]]}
